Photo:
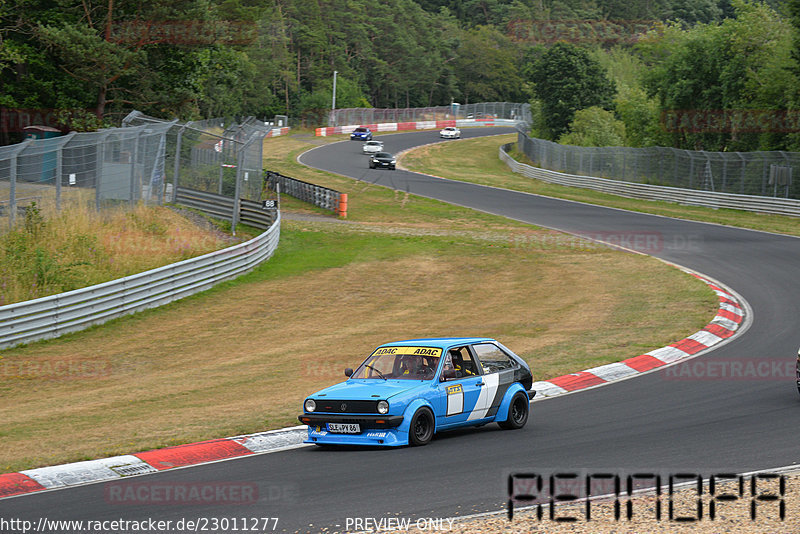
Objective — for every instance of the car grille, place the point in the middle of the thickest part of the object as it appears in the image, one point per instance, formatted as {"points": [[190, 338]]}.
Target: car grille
{"points": [[346, 406]]}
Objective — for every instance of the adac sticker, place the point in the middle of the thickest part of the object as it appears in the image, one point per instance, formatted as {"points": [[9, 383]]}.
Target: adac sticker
{"points": [[420, 351]]}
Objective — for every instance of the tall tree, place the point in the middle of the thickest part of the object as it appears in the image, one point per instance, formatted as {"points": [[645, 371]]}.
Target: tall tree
{"points": [[567, 79]]}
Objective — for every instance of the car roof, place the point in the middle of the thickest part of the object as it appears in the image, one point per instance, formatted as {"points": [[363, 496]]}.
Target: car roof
{"points": [[439, 342]]}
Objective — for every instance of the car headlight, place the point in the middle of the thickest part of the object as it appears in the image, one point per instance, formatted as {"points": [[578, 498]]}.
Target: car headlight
{"points": [[394, 161], [383, 407], [310, 405]]}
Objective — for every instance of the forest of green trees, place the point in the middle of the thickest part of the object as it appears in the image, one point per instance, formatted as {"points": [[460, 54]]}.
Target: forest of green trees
{"points": [[695, 74]]}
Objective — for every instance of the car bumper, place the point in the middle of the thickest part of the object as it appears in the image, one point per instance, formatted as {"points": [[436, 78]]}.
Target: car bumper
{"points": [[366, 421], [375, 430], [373, 438]]}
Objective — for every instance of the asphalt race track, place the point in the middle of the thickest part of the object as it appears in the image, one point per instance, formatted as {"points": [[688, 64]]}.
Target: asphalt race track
{"points": [[647, 423]]}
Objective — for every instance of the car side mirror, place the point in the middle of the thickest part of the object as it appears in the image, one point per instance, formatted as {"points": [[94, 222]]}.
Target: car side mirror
{"points": [[449, 374], [348, 372]]}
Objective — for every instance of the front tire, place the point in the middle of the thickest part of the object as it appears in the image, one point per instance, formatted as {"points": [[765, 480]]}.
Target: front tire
{"points": [[518, 412], [420, 431]]}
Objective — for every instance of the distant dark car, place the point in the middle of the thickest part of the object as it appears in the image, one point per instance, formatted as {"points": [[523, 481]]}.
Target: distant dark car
{"points": [[361, 134], [383, 160]]}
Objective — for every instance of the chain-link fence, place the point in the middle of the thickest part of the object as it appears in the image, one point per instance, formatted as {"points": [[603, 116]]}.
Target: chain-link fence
{"points": [[102, 169], [214, 156], [484, 110], [747, 173], [144, 161]]}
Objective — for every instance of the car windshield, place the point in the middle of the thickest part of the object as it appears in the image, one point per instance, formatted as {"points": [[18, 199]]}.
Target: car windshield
{"points": [[383, 155], [361, 130], [374, 143], [400, 363]]}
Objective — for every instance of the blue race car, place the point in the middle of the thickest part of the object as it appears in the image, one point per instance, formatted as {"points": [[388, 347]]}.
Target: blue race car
{"points": [[406, 391], [361, 133]]}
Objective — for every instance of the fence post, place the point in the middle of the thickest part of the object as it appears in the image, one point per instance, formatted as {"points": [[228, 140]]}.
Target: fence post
{"points": [[12, 193], [134, 156], [237, 196], [60, 167], [177, 167], [744, 170]]}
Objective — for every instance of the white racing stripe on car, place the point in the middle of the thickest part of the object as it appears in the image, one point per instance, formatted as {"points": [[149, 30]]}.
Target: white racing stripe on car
{"points": [[488, 390]]}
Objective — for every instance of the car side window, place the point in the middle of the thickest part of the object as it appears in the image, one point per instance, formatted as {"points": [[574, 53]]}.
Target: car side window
{"points": [[459, 364], [492, 358]]}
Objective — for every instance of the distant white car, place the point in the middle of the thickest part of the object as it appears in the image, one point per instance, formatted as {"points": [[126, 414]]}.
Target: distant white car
{"points": [[450, 132], [372, 147]]}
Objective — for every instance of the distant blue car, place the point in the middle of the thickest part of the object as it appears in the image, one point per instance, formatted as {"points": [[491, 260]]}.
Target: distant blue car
{"points": [[361, 133], [406, 391]]}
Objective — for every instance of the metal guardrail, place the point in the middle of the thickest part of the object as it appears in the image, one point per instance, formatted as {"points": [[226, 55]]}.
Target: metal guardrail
{"points": [[55, 315], [691, 197], [250, 212], [254, 214], [314, 194], [759, 173]]}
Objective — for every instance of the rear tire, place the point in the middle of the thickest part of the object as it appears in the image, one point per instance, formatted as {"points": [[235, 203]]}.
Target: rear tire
{"points": [[518, 412], [420, 431]]}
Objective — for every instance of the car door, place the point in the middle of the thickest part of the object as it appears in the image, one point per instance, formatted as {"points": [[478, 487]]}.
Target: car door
{"points": [[458, 395], [498, 370]]}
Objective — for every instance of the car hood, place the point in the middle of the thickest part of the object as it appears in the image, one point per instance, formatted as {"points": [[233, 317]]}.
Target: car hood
{"points": [[364, 389]]}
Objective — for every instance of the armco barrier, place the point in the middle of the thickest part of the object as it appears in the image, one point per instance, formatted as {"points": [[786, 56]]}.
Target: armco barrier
{"points": [[691, 197], [250, 212], [321, 197], [419, 125], [52, 316]]}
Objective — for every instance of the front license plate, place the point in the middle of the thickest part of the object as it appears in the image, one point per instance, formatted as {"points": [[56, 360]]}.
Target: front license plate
{"points": [[344, 428]]}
